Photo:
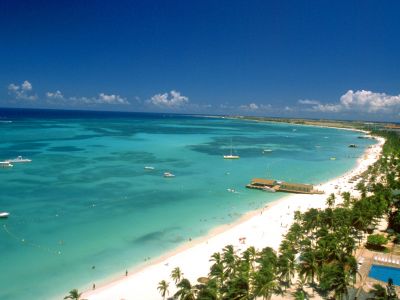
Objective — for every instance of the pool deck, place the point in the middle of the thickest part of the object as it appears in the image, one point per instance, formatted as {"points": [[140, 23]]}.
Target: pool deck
{"points": [[366, 259]]}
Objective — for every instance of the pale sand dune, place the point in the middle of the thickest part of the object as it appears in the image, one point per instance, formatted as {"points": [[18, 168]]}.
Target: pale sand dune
{"points": [[261, 228]]}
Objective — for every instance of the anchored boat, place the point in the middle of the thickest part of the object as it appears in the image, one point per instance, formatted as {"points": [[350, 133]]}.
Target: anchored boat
{"points": [[4, 214], [168, 174], [5, 164], [231, 156], [19, 159]]}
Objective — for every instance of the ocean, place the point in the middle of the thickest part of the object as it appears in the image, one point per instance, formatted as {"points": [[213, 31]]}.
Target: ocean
{"points": [[86, 209]]}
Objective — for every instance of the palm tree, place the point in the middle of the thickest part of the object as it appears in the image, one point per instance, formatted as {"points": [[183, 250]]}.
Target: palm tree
{"points": [[207, 289], [308, 265], [300, 293], [265, 280], [229, 259], [346, 199], [330, 201], [176, 275], [286, 267], [185, 290], [378, 292], [163, 288], [74, 295]]}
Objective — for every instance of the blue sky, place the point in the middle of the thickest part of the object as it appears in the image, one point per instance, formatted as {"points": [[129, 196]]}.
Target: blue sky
{"points": [[320, 59]]}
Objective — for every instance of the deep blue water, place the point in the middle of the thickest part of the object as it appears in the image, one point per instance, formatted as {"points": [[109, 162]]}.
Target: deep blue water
{"points": [[86, 200]]}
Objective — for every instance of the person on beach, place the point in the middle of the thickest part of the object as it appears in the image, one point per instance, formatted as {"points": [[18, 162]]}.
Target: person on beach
{"points": [[94, 286], [126, 273]]}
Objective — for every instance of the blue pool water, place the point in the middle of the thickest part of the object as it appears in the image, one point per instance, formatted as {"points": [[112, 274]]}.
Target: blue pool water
{"points": [[383, 273], [86, 199]]}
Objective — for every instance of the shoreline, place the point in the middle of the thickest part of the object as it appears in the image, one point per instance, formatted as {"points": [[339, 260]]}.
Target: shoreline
{"points": [[273, 220], [299, 124]]}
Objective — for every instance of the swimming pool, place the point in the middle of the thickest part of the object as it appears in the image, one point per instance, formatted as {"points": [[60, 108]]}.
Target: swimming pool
{"points": [[384, 273]]}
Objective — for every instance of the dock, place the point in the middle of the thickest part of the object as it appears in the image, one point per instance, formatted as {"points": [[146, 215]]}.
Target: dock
{"points": [[281, 186]]}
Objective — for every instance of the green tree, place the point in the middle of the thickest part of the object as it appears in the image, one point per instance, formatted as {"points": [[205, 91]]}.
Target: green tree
{"points": [[74, 295], [378, 292], [163, 288], [376, 241], [176, 275], [265, 279], [346, 199], [308, 265], [330, 201], [229, 260], [185, 290], [286, 267]]}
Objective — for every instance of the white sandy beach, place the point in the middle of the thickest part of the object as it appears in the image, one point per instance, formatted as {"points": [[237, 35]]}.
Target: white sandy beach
{"points": [[262, 228]]}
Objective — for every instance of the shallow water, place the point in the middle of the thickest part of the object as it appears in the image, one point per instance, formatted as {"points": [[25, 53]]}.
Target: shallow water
{"points": [[86, 200]]}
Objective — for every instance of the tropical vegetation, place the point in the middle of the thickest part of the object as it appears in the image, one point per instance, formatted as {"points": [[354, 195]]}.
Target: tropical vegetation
{"points": [[74, 295]]}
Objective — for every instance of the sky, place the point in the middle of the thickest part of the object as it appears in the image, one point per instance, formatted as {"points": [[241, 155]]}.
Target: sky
{"points": [[314, 59]]}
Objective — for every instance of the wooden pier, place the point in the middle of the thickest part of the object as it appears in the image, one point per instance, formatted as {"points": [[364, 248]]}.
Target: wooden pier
{"points": [[281, 186]]}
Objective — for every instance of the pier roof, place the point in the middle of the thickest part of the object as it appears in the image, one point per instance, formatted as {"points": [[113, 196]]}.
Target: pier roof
{"points": [[263, 181]]}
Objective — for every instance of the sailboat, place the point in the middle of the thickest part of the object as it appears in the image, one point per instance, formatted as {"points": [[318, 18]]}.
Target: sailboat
{"points": [[231, 156]]}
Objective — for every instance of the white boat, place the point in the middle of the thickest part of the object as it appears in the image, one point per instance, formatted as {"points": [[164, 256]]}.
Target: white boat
{"points": [[333, 158], [168, 174], [19, 159], [149, 168], [231, 156], [268, 189], [4, 214], [267, 150], [5, 164]]}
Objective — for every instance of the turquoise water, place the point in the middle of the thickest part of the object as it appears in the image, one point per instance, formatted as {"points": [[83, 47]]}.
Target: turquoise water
{"points": [[86, 200], [383, 273]]}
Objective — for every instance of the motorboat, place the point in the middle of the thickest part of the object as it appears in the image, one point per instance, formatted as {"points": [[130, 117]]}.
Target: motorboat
{"points": [[168, 174], [148, 168], [5, 164], [333, 158], [267, 150], [19, 159], [268, 189], [4, 214], [230, 156]]}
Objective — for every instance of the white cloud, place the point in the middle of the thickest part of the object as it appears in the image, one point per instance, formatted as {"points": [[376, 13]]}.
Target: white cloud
{"points": [[172, 100], [26, 86], [362, 102], [255, 107], [22, 92], [327, 108], [308, 102], [57, 95], [251, 106], [111, 99], [102, 98]]}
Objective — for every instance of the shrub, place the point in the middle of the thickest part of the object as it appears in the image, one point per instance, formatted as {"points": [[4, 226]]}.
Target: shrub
{"points": [[376, 241]]}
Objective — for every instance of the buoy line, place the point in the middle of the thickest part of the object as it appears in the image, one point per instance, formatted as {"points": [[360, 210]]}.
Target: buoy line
{"points": [[25, 242]]}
